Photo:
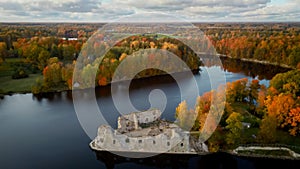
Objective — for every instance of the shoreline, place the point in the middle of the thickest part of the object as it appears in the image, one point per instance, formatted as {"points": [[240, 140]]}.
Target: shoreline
{"points": [[262, 156], [228, 152], [264, 62], [10, 93]]}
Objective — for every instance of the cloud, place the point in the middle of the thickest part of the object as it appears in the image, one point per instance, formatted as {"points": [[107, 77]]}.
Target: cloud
{"points": [[181, 4], [53, 10], [107, 10], [287, 12], [193, 9], [63, 6]]}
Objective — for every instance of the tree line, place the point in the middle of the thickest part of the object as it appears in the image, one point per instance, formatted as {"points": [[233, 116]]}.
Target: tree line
{"points": [[279, 47], [58, 74]]}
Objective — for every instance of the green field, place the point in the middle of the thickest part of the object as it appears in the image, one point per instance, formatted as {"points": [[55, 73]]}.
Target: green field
{"points": [[277, 153], [6, 68], [9, 85]]}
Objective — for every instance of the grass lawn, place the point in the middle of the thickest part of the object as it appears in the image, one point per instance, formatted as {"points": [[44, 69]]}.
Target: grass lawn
{"points": [[276, 153], [283, 137], [9, 85], [6, 68]]}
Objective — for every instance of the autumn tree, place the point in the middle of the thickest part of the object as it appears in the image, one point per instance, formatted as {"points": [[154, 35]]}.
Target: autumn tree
{"points": [[267, 132], [88, 76], [293, 121], [279, 107], [3, 51], [282, 101], [287, 82], [216, 140], [68, 52], [237, 91], [123, 56], [234, 127], [184, 116], [52, 73], [55, 52], [261, 97], [202, 108], [294, 58], [43, 57], [253, 91], [31, 52], [67, 74]]}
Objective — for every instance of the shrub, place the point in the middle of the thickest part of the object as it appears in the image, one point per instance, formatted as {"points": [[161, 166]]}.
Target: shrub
{"points": [[19, 74]]}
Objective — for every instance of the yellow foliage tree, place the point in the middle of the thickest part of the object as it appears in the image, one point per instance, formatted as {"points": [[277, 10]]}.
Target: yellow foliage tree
{"points": [[294, 121], [186, 118], [279, 106]]}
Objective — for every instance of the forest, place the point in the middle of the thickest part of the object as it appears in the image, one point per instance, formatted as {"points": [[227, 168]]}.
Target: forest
{"points": [[49, 51], [272, 42], [253, 113]]}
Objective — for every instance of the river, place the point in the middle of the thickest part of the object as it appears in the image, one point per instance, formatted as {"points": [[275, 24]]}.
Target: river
{"points": [[44, 132]]}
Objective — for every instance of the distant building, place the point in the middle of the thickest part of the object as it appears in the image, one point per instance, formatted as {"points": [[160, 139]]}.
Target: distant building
{"points": [[76, 84], [246, 125], [69, 39]]}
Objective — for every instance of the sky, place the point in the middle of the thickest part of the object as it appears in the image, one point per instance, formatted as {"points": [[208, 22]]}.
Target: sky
{"points": [[116, 10]]}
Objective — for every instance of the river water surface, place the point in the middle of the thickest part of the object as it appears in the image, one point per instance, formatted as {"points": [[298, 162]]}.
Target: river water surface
{"points": [[44, 132]]}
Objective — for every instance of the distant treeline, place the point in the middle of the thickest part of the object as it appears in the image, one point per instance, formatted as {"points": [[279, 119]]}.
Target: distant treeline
{"points": [[279, 46], [42, 45]]}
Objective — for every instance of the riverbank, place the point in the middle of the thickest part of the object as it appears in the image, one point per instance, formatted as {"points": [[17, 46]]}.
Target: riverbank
{"points": [[266, 152], [9, 86], [258, 61]]}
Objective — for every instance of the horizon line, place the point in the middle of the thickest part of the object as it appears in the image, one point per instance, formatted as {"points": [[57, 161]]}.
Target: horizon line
{"points": [[104, 22]]}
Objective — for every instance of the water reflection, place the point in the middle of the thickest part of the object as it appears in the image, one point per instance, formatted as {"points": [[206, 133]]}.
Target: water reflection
{"points": [[219, 160], [251, 69], [54, 96], [160, 161], [212, 161]]}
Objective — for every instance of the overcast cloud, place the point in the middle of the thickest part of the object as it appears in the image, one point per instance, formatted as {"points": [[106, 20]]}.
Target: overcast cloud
{"points": [[109, 10]]}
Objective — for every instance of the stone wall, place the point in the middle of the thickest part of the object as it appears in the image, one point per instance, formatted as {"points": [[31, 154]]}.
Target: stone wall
{"points": [[159, 138], [148, 116], [130, 122], [174, 139]]}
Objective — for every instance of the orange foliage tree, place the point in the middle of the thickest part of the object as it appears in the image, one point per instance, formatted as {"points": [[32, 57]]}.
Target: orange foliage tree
{"points": [[279, 106], [237, 91], [294, 121]]}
